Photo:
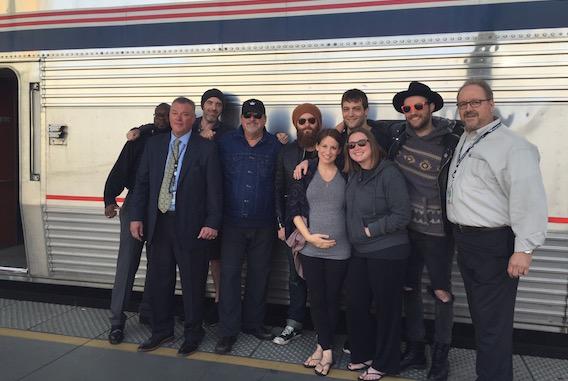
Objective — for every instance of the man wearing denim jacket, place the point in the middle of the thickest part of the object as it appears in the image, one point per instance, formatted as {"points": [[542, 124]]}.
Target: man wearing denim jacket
{"points": [[248, 158]]}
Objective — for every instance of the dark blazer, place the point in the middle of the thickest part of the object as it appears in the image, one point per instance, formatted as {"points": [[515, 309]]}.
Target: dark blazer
{"points": [[199, 198]]}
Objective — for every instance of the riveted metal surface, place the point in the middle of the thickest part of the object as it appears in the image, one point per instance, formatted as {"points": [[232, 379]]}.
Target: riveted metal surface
{"points": [[547, 369], [77, 321], [7, 302], [30, 315]]}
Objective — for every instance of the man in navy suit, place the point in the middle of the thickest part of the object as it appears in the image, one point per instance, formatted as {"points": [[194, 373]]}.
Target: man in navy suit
{"points": [[179, 189]]}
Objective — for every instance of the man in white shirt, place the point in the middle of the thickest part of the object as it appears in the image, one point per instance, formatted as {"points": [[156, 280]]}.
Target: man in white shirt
{"points": [[497, 203]]}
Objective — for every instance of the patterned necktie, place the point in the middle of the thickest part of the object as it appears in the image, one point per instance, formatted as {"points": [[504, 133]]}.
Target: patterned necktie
{"points": [[166, 191]]}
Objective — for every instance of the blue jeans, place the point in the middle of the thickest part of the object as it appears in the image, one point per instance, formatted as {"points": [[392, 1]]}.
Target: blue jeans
{"points": [[254, 244], [437, 253], [298, 291]]}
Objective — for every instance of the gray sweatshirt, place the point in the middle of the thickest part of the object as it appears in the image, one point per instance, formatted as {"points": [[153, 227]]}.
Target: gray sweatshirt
{"points": [[377, 199]]}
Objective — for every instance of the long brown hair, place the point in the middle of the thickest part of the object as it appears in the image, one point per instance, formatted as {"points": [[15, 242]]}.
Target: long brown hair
{"points": [[377, 153]]}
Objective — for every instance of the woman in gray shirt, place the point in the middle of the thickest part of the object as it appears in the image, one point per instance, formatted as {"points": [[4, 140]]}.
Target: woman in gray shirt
{"points": [[316, 207]]}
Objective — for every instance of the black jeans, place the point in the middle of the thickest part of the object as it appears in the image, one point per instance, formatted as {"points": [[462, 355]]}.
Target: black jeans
{"points": [[298, 291], [437, 253], [325, 282], [254, 244]]}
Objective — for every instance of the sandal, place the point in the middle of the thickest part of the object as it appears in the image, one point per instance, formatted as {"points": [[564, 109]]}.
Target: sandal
{"points": [[371, 375], [324, 368], [308, 363], [354, 367]]}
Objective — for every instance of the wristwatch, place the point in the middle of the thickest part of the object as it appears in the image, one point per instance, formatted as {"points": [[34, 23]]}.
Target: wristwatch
{"points": [[528, 252]]}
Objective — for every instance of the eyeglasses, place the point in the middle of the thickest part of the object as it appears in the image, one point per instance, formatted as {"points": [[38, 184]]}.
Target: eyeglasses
{"points": [[249, 114], [302, 121], [416, 106], [474, 103], [360, 143]]}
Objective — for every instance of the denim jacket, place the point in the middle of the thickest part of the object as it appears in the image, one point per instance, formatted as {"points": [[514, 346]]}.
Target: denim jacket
{"points": [[248, 179]]}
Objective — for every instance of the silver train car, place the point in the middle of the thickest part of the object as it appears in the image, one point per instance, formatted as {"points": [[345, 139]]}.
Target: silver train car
{"points": [[74, 80]]}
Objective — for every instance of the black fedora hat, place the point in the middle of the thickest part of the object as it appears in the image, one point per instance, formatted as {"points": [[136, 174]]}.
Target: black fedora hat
{"points": [[417, 88]]}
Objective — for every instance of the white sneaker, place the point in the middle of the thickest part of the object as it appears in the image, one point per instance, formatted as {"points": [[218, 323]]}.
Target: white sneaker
{"points": [[288, 334]]}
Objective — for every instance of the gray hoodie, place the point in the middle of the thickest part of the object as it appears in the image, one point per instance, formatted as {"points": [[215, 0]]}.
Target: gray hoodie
{"points": [[380, 202]]}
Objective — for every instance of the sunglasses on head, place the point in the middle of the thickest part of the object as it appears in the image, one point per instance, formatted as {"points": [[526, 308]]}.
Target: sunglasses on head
{"points": [[302, 121], [249, 114], [416, 106], [360, 143]]}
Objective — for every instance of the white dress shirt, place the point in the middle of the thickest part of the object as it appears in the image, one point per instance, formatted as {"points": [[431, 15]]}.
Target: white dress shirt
{"points": [[498, 183]]}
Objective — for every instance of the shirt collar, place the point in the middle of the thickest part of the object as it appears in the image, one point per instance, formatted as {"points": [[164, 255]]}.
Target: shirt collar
{"points": [[184, 138], [482, 130]]}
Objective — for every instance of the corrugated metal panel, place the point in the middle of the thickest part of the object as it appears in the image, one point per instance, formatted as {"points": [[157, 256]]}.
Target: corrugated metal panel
{"points": [[82, 246]]}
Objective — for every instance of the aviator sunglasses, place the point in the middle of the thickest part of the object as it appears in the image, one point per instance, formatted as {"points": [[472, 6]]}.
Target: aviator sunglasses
{"points": [[416, 106], [302, 121], [249, 114], [360, 143]]}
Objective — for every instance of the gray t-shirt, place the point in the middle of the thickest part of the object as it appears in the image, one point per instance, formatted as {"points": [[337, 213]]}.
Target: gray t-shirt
{"points": [[327, 216]]}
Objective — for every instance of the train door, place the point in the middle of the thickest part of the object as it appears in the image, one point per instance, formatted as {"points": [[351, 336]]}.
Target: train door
{"points": [[22, 242], [12, 253]]}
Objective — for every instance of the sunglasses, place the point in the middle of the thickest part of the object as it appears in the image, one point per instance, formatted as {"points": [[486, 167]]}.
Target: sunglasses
{"points": [[302, 121], [360, 143], [416, 106], [255, 114]]}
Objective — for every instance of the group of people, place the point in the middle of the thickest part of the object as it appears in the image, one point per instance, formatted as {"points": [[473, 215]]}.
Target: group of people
{"points": [[366, 204]]}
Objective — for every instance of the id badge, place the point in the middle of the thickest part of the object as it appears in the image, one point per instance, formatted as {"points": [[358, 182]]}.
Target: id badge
{"points": [[449, 195]]}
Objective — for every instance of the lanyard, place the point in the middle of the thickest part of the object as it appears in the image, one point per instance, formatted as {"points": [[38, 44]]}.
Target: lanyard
{"points": [[462, 156]]}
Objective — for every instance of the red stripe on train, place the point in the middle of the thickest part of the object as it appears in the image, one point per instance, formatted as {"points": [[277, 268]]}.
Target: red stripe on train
{"points": [[77, 198], [190, 14], [552, 220]]}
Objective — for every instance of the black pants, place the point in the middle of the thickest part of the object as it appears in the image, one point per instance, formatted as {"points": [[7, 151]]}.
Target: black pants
{"points": [[193, 266], [483, 258], [376, 339], [324, 278], [254, 244]]}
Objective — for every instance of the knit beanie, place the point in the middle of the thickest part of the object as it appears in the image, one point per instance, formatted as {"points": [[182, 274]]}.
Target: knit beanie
{"points": [[306, 108], [212, 93]]}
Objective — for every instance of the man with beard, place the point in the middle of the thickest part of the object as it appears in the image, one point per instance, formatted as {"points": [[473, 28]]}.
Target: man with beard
{"points": [[422, 148], [497, 202], [307, 121], [210, 127], [123, 175]]}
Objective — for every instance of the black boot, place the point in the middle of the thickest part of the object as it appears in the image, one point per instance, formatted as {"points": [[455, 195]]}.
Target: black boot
{"points": [[413, 357], [440, 364]]}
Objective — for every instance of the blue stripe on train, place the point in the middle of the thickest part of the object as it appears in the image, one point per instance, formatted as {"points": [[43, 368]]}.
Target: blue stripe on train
{"points": [[492, 17]]}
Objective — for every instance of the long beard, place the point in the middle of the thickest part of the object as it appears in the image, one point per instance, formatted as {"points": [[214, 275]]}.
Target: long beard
{"points": [[308, 136]]}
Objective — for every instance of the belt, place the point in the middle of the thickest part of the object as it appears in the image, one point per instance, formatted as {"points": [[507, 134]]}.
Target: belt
{"points": [[476, 229]]}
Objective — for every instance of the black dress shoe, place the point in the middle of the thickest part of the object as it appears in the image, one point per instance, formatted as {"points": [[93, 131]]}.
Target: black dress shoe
{"points": [[153, 343], [187, 348], [116, 335], [260, 333], [225, 344]]}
